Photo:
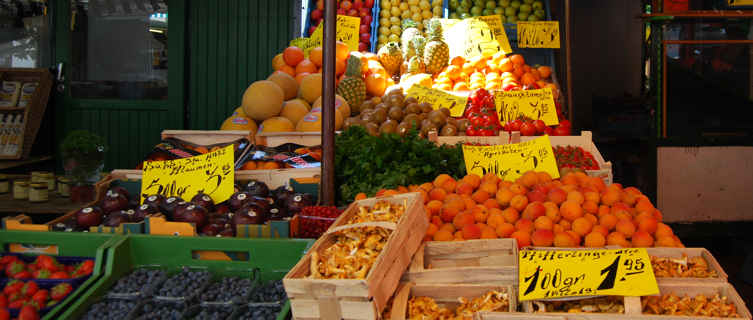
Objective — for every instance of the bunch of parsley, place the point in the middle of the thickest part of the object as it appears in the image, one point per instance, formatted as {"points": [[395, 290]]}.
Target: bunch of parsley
{"points": [[364, 163]]}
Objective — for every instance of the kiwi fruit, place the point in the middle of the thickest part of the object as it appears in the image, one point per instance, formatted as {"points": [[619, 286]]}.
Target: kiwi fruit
{"points": [[437, 118], [410, 100], [411, 119], [422, 116], [403, 128], [396, 101], [380, 115], [412, 108], [395, 113], [427, 127], [389, 126], [372, 129], [365, 105], [352, 121], [452, 121], [381, 105], [376, 100], [425, 107], [448, 130], [367, 115]]}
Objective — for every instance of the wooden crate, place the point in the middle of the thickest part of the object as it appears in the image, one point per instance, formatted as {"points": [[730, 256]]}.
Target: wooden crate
{"points": [[585, 141], [446, 295], [707, 289], [472, 261], [206, 137], [273, 139], [690, 252], [359, 299], [34, 111], [502, 138], [514, 316], [632, 308]]}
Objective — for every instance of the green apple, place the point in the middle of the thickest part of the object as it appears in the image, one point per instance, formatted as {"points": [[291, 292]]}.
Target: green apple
{"points": [[512, 19], [510, 11], [454, 4], [476, 11], [537, 5], [504, 3], [479, 3], [491, 4], [525, 8], [464, 16], [533, 18], [454, 15], [515, 4], [499, 11], [522, 16], [541, 14], [503, 19], [528, 1], [487, 12]]}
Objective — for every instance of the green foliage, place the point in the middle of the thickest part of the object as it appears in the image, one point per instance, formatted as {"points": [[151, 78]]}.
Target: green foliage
{"points": [[83, 155], [365, 163]]}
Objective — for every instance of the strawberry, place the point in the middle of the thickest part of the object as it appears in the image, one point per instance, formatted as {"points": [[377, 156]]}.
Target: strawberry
{"points": [[14, 267], [28, 313], [12, 287], [47, 263], [60, 291], [7, 260], [41, 297], [3, 301], [4, 314], [30, 288], [18, 303], [83, 269], [41, 274], [59, 275], [22, 275]]}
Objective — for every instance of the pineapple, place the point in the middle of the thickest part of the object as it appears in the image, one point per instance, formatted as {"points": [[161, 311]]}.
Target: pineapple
{"points": [[352, 87], [390, 57], [409, 51], [415, 67], [419, 42], [436, 52], [410, 30]]}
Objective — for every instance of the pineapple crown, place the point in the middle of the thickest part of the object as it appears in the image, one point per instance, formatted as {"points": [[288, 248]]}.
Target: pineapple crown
{"points": [[419, 42], [414, 65], [354, 66], [408, 23], [435, 29]]}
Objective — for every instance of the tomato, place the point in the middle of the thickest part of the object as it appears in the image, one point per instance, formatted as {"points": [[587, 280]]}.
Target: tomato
{"points": [[561, 131], [565, 123], [486, 132], [540, 125], [471, 131], [515, 125], [527, 129], [548, 131]]}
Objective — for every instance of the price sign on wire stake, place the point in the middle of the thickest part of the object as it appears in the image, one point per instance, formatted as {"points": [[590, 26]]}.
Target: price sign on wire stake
{"points": [[547, 274], [510, 161], [539, 34], [211, 173], [534, 104], [439, 99], [476, 37], [346, 31]]}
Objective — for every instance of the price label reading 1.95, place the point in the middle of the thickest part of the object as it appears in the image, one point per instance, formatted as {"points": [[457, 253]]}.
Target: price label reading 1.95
{"points": [[547, 274]]}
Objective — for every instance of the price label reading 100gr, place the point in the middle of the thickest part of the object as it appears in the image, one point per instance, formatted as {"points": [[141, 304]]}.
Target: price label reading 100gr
{"points": [[546, 274]]}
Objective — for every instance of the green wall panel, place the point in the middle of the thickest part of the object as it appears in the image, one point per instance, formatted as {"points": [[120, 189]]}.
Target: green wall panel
{"points": [[231, 44]]}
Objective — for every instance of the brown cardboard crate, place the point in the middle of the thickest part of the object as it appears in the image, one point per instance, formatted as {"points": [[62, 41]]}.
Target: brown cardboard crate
{"points": [[690, 252], [359, 299], [472, 261], [502, 138], [445, 295], [585, 141]]}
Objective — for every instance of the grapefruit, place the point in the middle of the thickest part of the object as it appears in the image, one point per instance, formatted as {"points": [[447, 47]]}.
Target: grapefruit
{"points": [[263, 100]]}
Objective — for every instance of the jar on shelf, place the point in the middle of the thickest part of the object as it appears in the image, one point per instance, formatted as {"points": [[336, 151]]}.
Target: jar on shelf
{"points": [[49, 179], [64, 187], [20, 189], [4, 184], [38, 192], [36, 176]]}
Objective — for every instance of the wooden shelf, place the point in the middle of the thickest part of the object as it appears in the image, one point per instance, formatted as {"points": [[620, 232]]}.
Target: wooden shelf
{"points": [[7, 164], [700, 14], [56, 205]]}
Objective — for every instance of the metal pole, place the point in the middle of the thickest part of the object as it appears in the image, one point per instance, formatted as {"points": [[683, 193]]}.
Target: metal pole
{"points": [[328, 105], [568, 59]]}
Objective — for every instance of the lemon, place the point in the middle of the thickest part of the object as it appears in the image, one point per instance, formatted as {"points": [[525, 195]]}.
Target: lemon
{"points": [[383, 38], [395, 2], [395, 29], [404, 6], [437, 11], [386, 5], [384, 30], [384, 14]]}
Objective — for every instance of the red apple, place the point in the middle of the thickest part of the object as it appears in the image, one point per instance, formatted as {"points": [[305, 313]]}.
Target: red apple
{"points": [[347, 5], [341, 11], [365, 38], [168, 207], [143, 211], [311, 30], [229, 231], [89, 217], [193, 214], [527, 129], [114, 201], [363, 12], [353, 13], [364, 28], [212, 229], [155, 199], [203, 200], [368, 3], [357, 4], [366, 21], [540, 126], [247, 215], [316, 14], [362, 47]]}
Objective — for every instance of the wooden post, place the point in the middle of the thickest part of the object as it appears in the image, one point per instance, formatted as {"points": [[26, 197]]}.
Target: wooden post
{"points": [[328, 105]]}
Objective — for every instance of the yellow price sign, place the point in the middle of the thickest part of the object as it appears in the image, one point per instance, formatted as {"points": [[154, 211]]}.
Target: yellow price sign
{"points": [[439, 99], [475, 37], [304, 43], [736, 3], [510, 161], [539, 34], [498, 29], [211, 173], [547, 274], [346, 31], [534, 104]]}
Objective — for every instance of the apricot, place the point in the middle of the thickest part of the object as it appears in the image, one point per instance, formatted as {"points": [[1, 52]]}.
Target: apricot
{"points": [[566, 225], [564, 240], [504, 230], [594, 240], [569, 179], [663, 230], [604, 209], [536, 195], [524, 225], [608, 220], [490, 177], [648, 224], [557, 195], [576, 196], [488, 232], [480, 196], [617, 239], [480, 213], [434, 206], [626, 227], [448, 213], [462, 219], [447, 226], [590, 207], [495, 218], [518, 202], [571, 210], [543, 223], [575, 236], [523, 238], [449, 185], [644, 206], [592, 196], [464, 188], [437, 194], [488, 187], [511, 215], [491, 204], [664, 241], [504, 196], [600, 229], [543, 177], [433, 228], [641, 239], [471, 231], [441, 179], [594, 220], [558, 228], [542, 238], [458, 236], [534, 210], [437, 220], [473, 179], [529, 179], [517, 188], [610, 197], [582, 226], [443, 235]]}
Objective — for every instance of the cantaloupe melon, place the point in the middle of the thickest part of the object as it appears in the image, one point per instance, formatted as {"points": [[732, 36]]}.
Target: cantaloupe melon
{"points": [[277, 124], [263, 100], [338, 117], [238, 123], [286, 83], [341, 105], [311, 87], [294, 110], [239, 112], [304, 102], [312, 122]]}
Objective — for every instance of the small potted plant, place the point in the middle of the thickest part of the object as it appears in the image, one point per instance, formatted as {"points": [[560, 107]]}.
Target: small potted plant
{"points": [[83, 155]]}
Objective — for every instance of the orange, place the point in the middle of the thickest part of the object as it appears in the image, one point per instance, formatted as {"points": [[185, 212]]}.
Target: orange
{"points": [[545, 71], [341, 51], [292, 55], [251, 165], [278, 62], [299, 77], [339, 67], [305, 66], [517, 59], [316, 56], [288, 69]]}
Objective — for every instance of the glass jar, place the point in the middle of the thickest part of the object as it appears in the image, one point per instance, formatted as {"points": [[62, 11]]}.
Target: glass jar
{"points": [[20, 189], [38, 192], [64, 187], [36, 176], [4, 184]]}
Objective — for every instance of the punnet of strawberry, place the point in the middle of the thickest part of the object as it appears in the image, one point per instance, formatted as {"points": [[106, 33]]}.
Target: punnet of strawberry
{"points": [[482, 114], [575, 157]]}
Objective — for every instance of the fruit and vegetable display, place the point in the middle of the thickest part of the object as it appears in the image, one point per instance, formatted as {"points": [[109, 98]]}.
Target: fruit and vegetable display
{"points": [[31, 299], [698, 306], [190, 293], [394, 12], [528, 127], [571, 158], [355, 8], [609, 304], [685, 267], [354, 251], [511, 11], [173, 148], [45, 267], [576, 210]]}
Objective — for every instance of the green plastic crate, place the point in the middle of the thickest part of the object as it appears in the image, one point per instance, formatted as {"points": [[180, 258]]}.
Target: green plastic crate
{"points": [[273, 259], [68, 244]]}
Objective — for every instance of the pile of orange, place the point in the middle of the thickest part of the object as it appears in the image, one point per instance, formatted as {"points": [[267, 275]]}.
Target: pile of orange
{"points": [[576, 210], [494, 72]]}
